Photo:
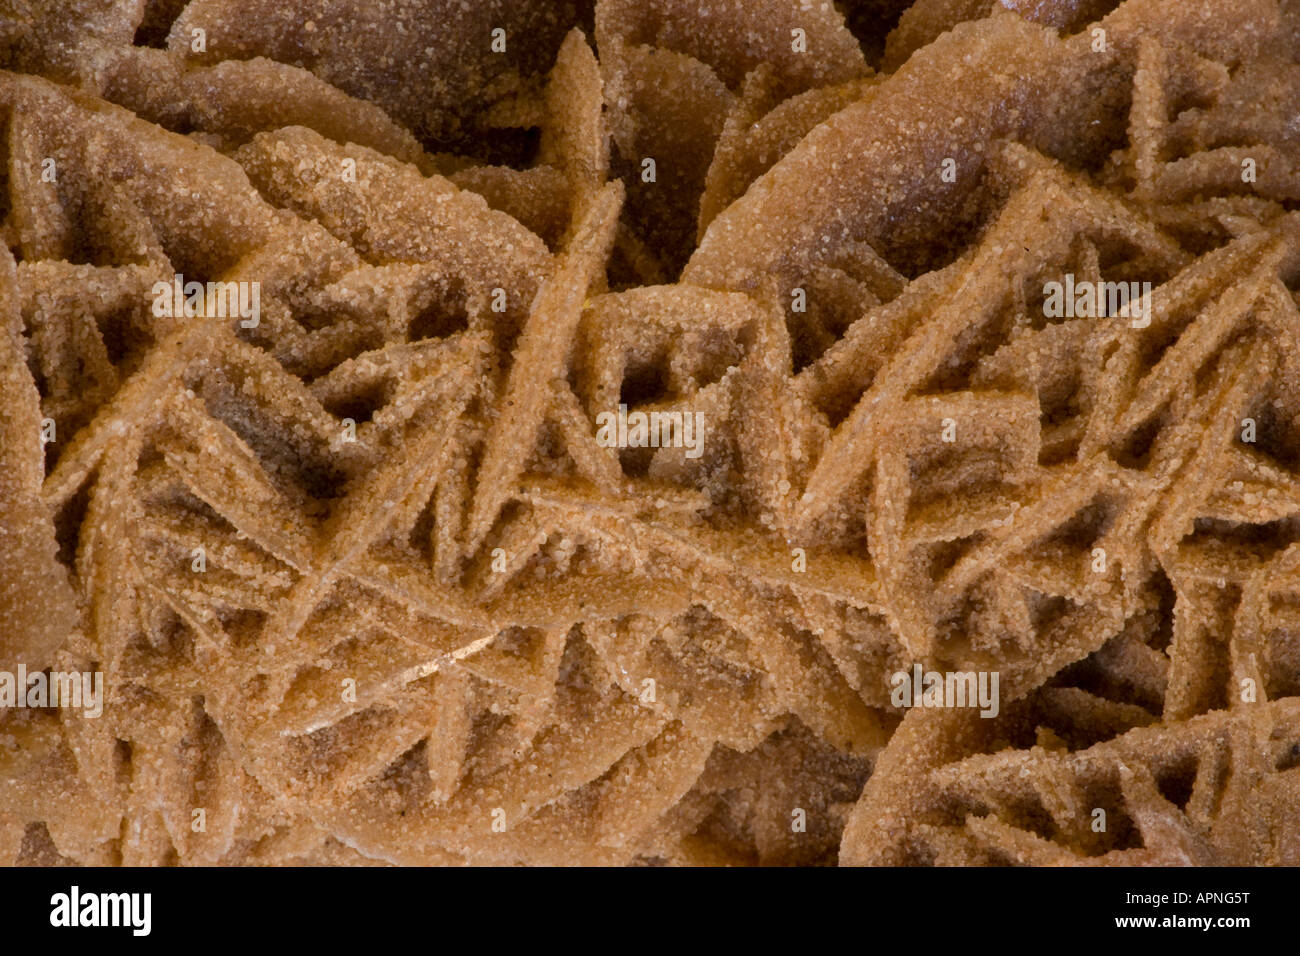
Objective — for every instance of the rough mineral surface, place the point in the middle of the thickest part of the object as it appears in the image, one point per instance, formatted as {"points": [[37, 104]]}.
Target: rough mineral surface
{"points": [[968, 332]]}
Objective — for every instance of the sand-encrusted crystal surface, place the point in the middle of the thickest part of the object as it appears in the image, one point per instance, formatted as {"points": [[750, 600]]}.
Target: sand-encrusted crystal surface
{"points": [[363, 577]]}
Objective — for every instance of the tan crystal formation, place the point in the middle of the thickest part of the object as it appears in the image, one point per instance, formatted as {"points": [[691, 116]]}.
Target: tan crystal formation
{"points": [[364, 582]]}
